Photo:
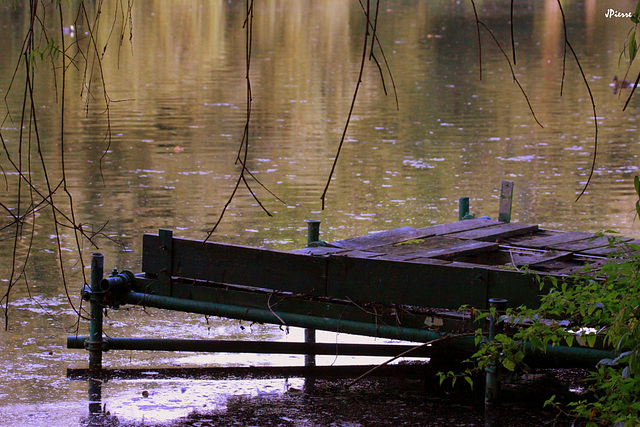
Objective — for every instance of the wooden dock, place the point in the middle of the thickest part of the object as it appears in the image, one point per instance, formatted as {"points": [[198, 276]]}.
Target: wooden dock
{"points": [[406, 283], [428, 270]]}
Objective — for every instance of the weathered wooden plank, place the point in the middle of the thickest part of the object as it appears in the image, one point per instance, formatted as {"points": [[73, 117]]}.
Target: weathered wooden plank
{"points": [[437, 246], [413, 246], [412, 258], [426, 285], [318, 251], [381, 238], [501, 231], [554, 239], [239, 265], [455, 227], [585, 244], [546, 257], [359, 254], [469, 247], [506, 200], [622, 248]]}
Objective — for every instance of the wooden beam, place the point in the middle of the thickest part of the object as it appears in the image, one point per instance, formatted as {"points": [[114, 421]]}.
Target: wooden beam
{"points": [[239, 265], [501, 231], [506, 201]]}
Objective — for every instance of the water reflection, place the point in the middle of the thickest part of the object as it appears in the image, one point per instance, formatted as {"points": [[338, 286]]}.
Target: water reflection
{"points": [[180, 116]]}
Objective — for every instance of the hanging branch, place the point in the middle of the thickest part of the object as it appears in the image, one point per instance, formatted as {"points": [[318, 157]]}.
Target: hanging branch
{"points": [[243, 150], [513, 40], [513, 74], [353, 103], [475, 13], [32, 160], [384, 57], [593, 103], [374, 40]]}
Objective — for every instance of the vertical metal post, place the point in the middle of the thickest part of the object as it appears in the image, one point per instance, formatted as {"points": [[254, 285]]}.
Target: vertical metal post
{"points": [[95, 334], [313, 231], [313, 235], [463, 208], [492, 385]]}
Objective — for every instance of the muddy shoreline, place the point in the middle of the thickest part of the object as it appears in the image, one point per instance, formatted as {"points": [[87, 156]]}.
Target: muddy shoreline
{"points": [[393, 401]]}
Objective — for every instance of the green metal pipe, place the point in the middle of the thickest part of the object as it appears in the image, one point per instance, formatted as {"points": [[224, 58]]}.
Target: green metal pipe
{"points": [[313, 235], [559, 356], [265, 347], [313, 231], [280, 318], [492, 384]]}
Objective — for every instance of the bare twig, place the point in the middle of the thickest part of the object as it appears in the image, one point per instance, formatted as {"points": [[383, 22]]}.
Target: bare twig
{"points": [[353, 103], [404, 353], [243, 149], [513, 74], [475, 12], [593, 103]]}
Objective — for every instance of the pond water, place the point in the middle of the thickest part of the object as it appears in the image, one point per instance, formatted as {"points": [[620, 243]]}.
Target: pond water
{"points": [[177, 116]]}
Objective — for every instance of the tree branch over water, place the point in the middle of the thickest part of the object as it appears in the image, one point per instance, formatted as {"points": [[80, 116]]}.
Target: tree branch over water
{"points": [[566, 45], [36, 189], [374, 37]]}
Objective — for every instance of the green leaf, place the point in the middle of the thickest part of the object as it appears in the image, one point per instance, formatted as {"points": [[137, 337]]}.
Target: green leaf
{"points": [[633, 46], [636, 183], [569, 340], [549, 401], [509, 364], [470, 381]]}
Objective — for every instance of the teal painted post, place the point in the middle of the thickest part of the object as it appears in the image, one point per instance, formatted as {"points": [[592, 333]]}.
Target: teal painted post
{"points": [[463, 208], [492, 385], [94, 344], [313, 231]]}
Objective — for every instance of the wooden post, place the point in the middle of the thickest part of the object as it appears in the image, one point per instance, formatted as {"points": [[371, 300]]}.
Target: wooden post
{"points": [[506, 200], [463, 208]]}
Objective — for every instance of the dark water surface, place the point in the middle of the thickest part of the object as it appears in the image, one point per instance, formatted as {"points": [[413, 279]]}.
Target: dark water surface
{"points": [[179, 117]]}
